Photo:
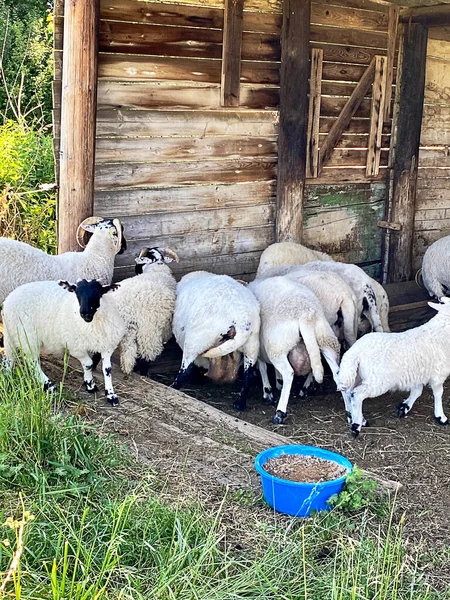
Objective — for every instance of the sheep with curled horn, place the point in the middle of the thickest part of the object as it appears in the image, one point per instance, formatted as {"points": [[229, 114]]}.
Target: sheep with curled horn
{"points": [[21, 263]]}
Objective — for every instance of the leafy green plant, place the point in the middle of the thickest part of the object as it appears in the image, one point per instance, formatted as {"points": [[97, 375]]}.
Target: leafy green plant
{"points": [[358, 493]]}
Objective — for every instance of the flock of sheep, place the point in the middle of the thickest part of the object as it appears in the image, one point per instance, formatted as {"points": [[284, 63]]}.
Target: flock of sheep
{"points": [[301, 308]]}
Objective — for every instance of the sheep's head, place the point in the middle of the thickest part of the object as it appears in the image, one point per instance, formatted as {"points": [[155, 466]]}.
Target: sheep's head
{"points": [[111, 227], [152, 256], [89, 294]]}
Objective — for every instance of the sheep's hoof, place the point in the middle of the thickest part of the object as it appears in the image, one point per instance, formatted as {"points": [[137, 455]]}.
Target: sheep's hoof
{"points": [[402, 410], [268, 397], [356, 428], [50, 387], [366, 423], [279, 417], [112, 399], [240, 405], [176, 385], [90, 386], [440, 421]]}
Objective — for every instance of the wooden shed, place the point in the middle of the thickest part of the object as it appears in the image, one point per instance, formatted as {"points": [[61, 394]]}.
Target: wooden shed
{"points": [[217, 127]]}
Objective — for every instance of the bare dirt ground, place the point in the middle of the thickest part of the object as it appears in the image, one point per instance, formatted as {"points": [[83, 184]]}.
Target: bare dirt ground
{"points": [[414, 451]]}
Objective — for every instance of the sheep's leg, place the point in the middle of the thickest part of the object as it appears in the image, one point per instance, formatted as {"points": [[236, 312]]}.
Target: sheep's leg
{"points": [[49, 386], [267, 388], [308, 386], [358, 395], [183, 376], [404, 407], [332, 359], [347, 396], [241, 403], [128, 351], [439, 415], [88, 366], [109, 390], [309, 338], [350, 325], [282, 364], [278, 380], [370, 304]]}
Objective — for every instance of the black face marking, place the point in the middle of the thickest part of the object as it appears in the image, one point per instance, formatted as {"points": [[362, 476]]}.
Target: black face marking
{"points": [[147, 256], [123, 246], [88, 294], [108, 371]]}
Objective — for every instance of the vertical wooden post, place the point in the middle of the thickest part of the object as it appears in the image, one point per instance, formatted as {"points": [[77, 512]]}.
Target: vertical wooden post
{"points": [[376, 117], [392, 44], [231, 53], [292, 139], [78, 118], [411, 80], [315, 94]]}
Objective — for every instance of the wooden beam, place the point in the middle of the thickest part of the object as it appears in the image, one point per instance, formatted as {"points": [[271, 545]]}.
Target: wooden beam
{"points": [[342, 122], [315, 91], [78, 116], [431, 16], [231, 53], [411, 82], [294, 87], [376, 117], [392, 43]]}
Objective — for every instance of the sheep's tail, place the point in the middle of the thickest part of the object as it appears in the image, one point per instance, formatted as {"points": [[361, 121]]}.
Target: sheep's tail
{"points": [[236, 338], [371, 308], [309, 337], [348, 372], [419, 279], [349, 317]]}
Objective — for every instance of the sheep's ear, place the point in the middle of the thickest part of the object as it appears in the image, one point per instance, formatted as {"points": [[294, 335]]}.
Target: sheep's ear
{"points": [[70, 287], [110, 288]]}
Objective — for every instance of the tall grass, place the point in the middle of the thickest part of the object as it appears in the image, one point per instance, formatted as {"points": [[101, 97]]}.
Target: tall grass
{"points": [[98, 533]]}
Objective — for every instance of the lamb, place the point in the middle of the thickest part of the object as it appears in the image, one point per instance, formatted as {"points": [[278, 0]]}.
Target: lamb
{"points": [[406, 361], [43, 314], [216, 316], [291, 314], [369, 293], [146, 304], [288, 253], [436, 268], [21, 263], [335, 295]]}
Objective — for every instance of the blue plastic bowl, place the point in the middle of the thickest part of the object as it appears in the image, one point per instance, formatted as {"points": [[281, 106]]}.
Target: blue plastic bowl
{"points": [[299, 499]]}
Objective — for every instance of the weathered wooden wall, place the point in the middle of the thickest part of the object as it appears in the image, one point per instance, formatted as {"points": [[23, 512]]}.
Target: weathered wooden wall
{"points": [[180, 170], [432, 219]]}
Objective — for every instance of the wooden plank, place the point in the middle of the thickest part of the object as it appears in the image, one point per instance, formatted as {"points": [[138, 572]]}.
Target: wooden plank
{"points": [[187, 198], [392, 43], [181, 223], [411, 90], [429, 16], [435, 157], [231, 54], [350, 140], [128, 175], [139, 150], [315, 91], [342, 72], [440, 33], [356, 125], [79, 85], [346, 174], [182, 96], [348, 54], [340, 16], [437, 84], [435, 126], [348, 111], [126, 122], [205, 243], [58, 8], [291, 171], [354, 158], [377, 116], [162, 14], [434, 172]]}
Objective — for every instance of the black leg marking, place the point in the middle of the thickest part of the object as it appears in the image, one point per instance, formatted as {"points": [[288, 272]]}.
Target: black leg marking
{"points": [[111, 398], [49, 386], [183, 377], [279, 417], [268, 396], [402, 410], [439, 421], [96, 358], [90, 386], [241, 403], [108, 371], [355, 430]]}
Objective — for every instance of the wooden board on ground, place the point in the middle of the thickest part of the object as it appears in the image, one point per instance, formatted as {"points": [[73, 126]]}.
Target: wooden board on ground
{"points": [[171, 431]]}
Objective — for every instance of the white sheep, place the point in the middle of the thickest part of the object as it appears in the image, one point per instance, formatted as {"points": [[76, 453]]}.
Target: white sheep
{"points": [[21, 263], [216, 316], [436, 268], [382, 362], [291, 314], [146, 304], [366, 290], [44, 315], [288, 253], [335, 295]]}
